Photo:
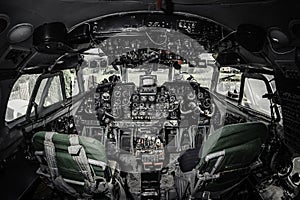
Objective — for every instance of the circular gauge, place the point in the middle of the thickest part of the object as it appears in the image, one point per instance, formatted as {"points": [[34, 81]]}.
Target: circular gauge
{"points": [[197, 110], [206, 103], [125, 94], [125, 101], [163, 98], [106, 96], [134, 112], [143, 98], [200, 95], [96, 95], [135, 97], [117, 101], [158, 142], [106, 105], [172, 98], [117, 93], [191, 96], [192, 105], [106, 121], [151, 98], [165, 114], [134, 104]]}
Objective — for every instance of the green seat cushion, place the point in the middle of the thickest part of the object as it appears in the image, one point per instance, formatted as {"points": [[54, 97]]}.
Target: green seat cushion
{"points": [[241, 143], [67, 167]]}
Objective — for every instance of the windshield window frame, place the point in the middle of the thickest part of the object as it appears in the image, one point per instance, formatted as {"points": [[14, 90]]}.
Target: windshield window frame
{"points": [[41, 108], [248, 72]]}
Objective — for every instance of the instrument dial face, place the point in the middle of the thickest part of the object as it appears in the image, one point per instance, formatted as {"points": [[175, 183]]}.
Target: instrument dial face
{"points": [[143, 98], [206, 103], [96, 95], [191, 96], [151, 98], [126, 94], [117, 101], [106, 106], [106, 96], [135, 97], [125, 102], [172, 98], [200, 95], [117, 93]]}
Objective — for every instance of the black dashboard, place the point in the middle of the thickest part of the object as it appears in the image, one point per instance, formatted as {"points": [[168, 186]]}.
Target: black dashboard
{"points": [[145, 126], [117, 101]]}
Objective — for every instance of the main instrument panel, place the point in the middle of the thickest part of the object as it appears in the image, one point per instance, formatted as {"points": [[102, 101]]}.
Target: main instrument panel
{"points": [[145, 127], [159, 105], [171, 101]]}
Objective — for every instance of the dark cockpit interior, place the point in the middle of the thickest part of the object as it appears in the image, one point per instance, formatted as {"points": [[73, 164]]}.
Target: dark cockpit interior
{"points": [[151, 99]]}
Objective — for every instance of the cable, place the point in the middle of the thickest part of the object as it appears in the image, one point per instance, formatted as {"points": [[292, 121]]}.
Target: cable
{"points": [[227, 36], [94, 41], [56, 61], [92, 38], [156, 42]]}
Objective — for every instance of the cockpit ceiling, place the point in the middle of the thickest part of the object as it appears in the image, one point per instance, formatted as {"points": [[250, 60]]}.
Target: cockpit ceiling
{"points": [[110, 32], [216, 2], [180, 2], [237, 13]]}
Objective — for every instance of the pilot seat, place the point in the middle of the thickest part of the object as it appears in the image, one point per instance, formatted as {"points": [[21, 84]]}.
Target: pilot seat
{"points": [[224, 161], [75, 165]]}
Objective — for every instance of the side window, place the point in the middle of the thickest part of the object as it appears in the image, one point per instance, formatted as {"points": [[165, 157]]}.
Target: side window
{"points": [[54, 94], [229, 82], [253, 96], [19, 96], [71, 82]]}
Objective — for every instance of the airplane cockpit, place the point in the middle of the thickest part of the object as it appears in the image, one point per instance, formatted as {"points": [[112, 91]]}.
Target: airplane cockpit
{"points": [[148, 103]]}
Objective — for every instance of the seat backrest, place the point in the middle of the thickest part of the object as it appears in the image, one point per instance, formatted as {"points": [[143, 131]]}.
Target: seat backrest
{"points": [[67, 166], [239, 145]]}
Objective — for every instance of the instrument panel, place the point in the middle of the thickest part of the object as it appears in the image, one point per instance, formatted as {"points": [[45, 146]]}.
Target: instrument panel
{"points": [[159, 105], [147, 125], [206, 32], [193, 98], [121, 95], [113, 102], [116, 101]]}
